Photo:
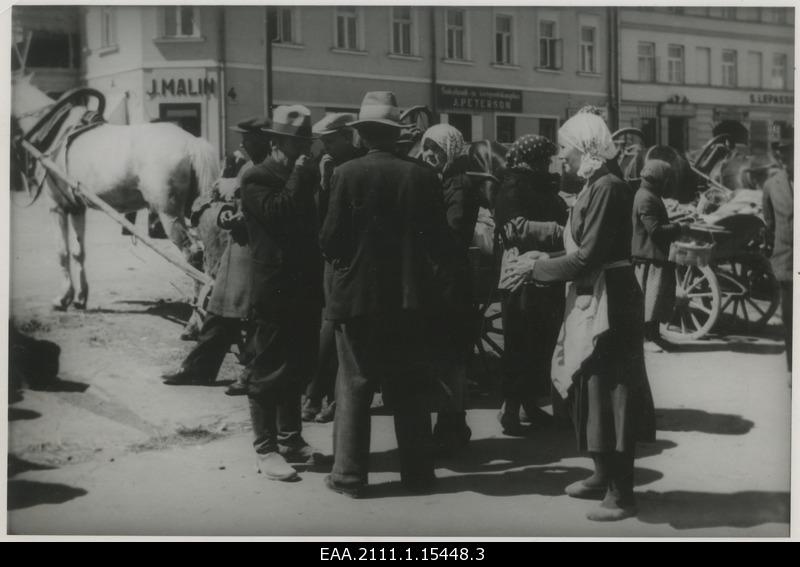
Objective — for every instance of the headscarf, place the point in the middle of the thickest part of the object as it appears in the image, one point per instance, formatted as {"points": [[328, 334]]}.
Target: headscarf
{"points": [[531, 152], [448, 138], [588, 134]]}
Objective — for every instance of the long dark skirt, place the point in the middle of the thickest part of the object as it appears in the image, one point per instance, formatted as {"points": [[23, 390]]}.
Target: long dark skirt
{"points": [[658, 286], [610, 399]]}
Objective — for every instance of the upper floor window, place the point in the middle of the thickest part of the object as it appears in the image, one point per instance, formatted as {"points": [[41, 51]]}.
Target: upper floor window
{"points": [[282, 25], [729, 13], [503, 41], [703, 66], [775, 15], [779, 71], [456, 34], [181, 21], [588, 49], [549, 45], [729, 78], [755, 68], [347, 27], [47, 49], [748, 14], [402, 24], [108, 26], [675, 65], [695, 11], [647, 61]]}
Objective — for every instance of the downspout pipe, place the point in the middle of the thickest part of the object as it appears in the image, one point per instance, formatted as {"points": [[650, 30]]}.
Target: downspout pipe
{"points": [[614, 63], [222, 96], [434, 70], [268, 67]]}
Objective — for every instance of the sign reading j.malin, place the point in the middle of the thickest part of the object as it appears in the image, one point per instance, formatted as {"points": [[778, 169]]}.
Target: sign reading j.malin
{"points": [[182, 87], [478, 98]]}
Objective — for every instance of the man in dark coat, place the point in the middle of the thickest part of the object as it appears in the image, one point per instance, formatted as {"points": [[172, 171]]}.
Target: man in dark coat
{"points": [[281, 218], [381, 233], [229, 302]]}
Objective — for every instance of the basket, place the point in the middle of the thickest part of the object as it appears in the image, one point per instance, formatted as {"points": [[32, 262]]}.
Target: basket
{"points": [[690, 253]]}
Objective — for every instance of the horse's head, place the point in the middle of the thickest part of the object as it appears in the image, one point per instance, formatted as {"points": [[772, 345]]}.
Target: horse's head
{"points": [[487, 164], [415, 121], [27, 101]]}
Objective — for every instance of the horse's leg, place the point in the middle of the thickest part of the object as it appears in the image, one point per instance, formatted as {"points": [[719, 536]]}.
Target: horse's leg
{"points": [[62, 248], [78, 253], [175, 227]]}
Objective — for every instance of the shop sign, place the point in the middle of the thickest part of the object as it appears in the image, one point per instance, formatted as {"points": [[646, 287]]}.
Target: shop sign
{"points": [[478, 98], [182, 87], [769, 98]]}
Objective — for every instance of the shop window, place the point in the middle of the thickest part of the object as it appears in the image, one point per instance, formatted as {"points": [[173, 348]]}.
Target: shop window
{"points": [[588, 49], [703, 66], [548, 127], [675, 73], [779, 71], [108, 26], [402, 30], [505, 131], [181, 21], [282, 25], [347, 28], [503, 40], [755, 68], [647, 62], [462, 123], [549, 45], [456, 34], [648, 128], [187, 116], [729, 78]]}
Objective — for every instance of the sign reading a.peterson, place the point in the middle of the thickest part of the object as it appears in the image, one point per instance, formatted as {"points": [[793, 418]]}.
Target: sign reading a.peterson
{"points": [[478, 98]]}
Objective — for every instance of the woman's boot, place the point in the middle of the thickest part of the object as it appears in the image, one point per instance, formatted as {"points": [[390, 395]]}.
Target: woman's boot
{"points": [[594, 487], [620, 501]]}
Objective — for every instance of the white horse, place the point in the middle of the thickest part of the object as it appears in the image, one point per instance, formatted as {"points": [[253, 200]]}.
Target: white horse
{"points": [[159, 166]]}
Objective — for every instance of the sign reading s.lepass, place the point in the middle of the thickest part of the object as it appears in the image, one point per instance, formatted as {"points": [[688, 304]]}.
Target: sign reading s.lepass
{"points": [[478, 98]]}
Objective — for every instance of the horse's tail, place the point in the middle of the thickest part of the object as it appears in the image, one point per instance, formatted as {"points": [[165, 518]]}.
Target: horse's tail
{"points": [[205, 164]]}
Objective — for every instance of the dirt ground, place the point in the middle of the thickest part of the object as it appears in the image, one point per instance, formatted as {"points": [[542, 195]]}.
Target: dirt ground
{"points": [[109, 450]]}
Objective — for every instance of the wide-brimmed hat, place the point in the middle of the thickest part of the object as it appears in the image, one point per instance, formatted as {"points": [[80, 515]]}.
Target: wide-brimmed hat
{"points": [[333, 123], [252, 125], [293, 121], [379, 107]]}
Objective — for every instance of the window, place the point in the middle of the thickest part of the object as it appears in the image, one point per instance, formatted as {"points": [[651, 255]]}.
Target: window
{"points": [[748, 14], [49, 49], [281, 25], [695, 11], [181, 21], [462, 123], [502, 40], [728, 13], [548, 127], [549, 45], [703, 66], [774, 15], [108, 27], [506, 133], [728, 68], [347, 27], [779, 71], [647, 62], [588, 49], [456, 34], [675, 64], [401, 30], [755, 68]]}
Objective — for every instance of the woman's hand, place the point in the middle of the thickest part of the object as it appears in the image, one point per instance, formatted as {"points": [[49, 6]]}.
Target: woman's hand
{"points": [[519, 269]]}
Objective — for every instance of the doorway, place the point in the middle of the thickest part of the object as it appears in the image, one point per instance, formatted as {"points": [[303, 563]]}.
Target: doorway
{"points": [[185, 115], [677, 133]]}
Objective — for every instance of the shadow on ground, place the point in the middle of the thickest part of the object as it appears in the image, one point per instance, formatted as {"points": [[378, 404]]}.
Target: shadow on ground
{"points": [[20, 414], [28, 493], [684, 510], [702, 422], [17, 466], [59, 385], [174, 311]]}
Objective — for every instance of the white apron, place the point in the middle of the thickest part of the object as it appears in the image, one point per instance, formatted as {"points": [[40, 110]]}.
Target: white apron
{"points": [[585, 319]]}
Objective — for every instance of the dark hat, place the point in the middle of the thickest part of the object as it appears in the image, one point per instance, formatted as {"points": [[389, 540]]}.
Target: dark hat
{"points": [[379, 107], [292, 121], [656, 174], [333, 123], [252, 125]]}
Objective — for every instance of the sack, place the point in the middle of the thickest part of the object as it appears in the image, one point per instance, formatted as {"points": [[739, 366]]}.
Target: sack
{"points": [[483, 237], [508, 257]]}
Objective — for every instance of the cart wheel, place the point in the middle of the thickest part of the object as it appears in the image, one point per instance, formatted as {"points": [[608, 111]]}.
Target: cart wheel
{"points": [[750, 292], [697, 304], [491, 334]]}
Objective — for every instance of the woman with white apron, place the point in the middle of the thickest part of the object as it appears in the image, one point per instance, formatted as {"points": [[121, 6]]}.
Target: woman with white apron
{"points": [[598, 364]]}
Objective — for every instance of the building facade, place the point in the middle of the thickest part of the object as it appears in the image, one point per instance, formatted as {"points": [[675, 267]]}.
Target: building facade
{"points": [[480, 69], [685, 70]]}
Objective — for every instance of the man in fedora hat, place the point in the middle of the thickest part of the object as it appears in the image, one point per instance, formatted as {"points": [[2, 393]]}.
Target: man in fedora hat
{"points": [[281, 219], [383, 226], [229, 301], [337, 139]]}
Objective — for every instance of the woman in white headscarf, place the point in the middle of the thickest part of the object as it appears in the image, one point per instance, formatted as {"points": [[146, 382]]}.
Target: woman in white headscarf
{"points": [[598, 364], [444, 149]]}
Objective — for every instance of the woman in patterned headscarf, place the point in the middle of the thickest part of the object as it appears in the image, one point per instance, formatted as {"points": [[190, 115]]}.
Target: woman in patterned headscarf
{"points": [[444, 149], [598, 364], [529, 215]]}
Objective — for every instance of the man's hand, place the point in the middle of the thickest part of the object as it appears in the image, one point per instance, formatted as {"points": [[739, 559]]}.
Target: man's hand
{"points": [[226, 187]]}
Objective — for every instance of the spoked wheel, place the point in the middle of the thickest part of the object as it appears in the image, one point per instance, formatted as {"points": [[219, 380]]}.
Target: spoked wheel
{"points": [[697, 304], [750, 292], [491, 333]]}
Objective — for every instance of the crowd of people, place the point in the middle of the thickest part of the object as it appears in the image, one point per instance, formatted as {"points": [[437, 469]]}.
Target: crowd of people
{"points": [[352, 273]]}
